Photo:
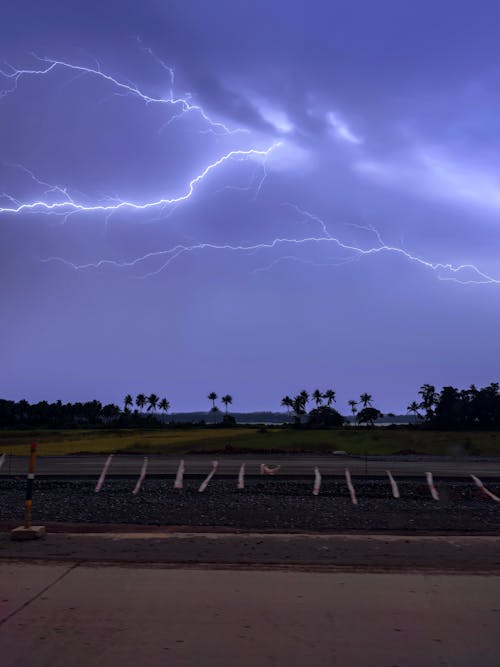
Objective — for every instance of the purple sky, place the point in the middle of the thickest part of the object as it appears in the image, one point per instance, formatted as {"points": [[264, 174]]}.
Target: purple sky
{"points": [[361, 127]]}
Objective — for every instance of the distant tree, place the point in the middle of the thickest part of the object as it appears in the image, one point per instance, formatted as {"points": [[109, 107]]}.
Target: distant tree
{"points": [[429, 400], [414, 408], [227, 400], [110, 412], [287, 403], [366, 399], [304, 397], [317, 397], [368, 415], [299, 405], [128, 402], [152, 402], [325, 416], [450, 409], [141, 401], [329, 397], [164, 405], [212, 397], [353, 405]]}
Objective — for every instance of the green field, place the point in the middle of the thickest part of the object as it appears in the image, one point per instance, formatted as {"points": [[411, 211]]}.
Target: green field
{"points": [[180, 441]]}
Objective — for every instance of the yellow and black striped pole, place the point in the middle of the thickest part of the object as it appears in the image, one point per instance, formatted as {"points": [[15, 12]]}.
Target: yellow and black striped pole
{"points": [[29, 486]]}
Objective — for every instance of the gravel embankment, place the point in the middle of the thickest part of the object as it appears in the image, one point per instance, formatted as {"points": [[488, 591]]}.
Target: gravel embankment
{"points": [[263, 504]]}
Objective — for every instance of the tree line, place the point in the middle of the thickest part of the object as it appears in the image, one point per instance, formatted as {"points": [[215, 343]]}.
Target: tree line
{"points": [[324, 414], [451, 408]]}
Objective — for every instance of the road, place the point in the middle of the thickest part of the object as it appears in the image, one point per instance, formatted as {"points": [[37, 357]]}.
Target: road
{"points": [[53, 615], [293, 465]]}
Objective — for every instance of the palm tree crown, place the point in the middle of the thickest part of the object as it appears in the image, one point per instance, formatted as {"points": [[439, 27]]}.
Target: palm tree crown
{"points": [[366, 399], [128, 401], [153, 401], [317, 397], [164, 405], [227, 400], [329, 396], [140, 401]]}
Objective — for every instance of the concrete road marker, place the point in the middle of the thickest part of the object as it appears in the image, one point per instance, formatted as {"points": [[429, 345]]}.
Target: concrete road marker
{"points": [[241, 477], [179, 477], [350, 487], [484, 489], [209, 477], [137, 487], [102, 477], [317, 481], [432, 488], [394, 486]]}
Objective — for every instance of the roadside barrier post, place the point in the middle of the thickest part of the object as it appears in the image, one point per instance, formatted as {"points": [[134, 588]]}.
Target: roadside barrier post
{"points": [[29, 532]]}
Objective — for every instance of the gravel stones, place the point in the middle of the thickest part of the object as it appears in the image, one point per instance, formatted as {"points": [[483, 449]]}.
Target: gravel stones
{"points": [[262, 504]]}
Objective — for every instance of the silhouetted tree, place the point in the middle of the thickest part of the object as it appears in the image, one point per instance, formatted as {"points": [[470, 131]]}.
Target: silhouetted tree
{"points": [[141, 401], [429, 398], [366, 399], [212, 397], [414, 408], [329, 397], [368, 415], [287, 403], [353, 405], [164, 405], [152, 402], [227, 400], [317, 397]]}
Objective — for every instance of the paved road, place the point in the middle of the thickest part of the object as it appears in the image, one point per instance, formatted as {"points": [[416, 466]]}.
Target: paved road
{"points": [[299, 465], [465, 554], [55, 615]]}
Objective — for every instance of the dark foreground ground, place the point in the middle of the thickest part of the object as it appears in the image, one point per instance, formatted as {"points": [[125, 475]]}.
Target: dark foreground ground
{"points": [[60, 614], [264, 504]]}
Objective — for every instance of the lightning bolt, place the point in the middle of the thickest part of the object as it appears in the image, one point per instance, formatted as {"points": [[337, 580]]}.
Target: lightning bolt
{"points": [[48, 65], [69, 205], [480, 278]]}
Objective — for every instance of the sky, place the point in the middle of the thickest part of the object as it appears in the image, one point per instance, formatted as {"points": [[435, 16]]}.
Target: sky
{"points": [[251, 198]]}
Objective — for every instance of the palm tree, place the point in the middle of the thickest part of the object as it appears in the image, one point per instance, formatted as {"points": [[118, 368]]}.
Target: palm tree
{"points": [[329, 396], [287, 403], [414, 407], [128, 402], [140, 401], [164, 405], [366, 399], [317, 397], [353, 405], [152, 400], [227, 400], [212, 397], [304, 397]]}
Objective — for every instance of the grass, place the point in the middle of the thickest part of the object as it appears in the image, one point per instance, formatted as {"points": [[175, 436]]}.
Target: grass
{"points": [[180, 441]]}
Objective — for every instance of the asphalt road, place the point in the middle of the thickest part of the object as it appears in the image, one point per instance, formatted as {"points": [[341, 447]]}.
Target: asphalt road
{"points": [[293, 465], [57, 614]]}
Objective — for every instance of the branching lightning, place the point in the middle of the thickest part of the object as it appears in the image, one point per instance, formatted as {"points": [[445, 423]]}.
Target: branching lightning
{"points": [[66, 204], [184, 103], [69, 205], [169, 255]]}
